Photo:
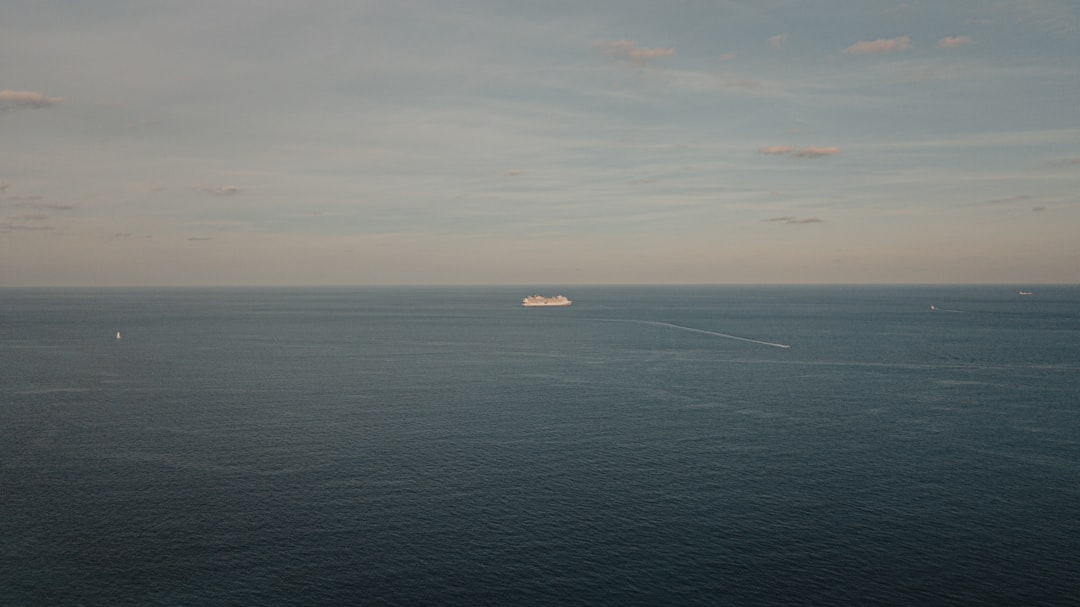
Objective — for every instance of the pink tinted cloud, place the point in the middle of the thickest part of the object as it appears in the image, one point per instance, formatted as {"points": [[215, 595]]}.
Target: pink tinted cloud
{"points": [[954, 41], [815, 151], [879, 46], [628, 51], [793, 220], [226, 190], [23, 100], [810, 151]]}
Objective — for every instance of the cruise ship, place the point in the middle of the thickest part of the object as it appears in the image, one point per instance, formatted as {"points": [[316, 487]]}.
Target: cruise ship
{"points": [[540, 300]]}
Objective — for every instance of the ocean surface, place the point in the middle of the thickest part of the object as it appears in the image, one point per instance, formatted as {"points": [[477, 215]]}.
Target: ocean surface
{"points": [[445, 446]]}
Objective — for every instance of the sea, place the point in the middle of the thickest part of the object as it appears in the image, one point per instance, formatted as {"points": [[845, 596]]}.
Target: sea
{"points": [[690, 445]]}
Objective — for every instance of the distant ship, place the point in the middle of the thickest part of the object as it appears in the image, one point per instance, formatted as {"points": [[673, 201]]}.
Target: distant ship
{"points": [[1024, 292], [539, 300], [117, 335]]}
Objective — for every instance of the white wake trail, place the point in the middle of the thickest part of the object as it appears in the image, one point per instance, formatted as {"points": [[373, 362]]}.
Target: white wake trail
{"points": [[713, 333]]}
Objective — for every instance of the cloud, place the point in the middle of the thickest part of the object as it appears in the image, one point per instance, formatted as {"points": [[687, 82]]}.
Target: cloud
{"points": [[954, 41], [778, 40], [515, 172], [814, 151], [879, 46], [747, 83], [23, 100], [1010, 200], [4, 185], [201, 238], [225, 190], [37, 202], [1020, 201], [628, 51], [793, 220], [11, 227], [810, 151]]}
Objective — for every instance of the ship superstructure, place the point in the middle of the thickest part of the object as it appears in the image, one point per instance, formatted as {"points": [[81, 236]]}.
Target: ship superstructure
{"points": [[539, 300]]}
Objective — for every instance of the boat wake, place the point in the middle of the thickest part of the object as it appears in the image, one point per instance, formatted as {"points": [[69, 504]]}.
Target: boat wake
{"points": [[703, 331]]}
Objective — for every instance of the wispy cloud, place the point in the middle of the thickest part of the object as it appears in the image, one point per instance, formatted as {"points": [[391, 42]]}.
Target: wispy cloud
{"points": [[954, 41], [1010, 200], [813, 151], [225, 190], [778, 40], [38, 202], [629, 52], [746, 83], [25, 100], [793, 220], [1068, 136], [22, 227], [53, 206], [810, 151], [1053, 16], [515, 172], [879, 46]]}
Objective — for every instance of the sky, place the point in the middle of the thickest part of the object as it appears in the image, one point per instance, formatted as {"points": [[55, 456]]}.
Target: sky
{"points": [[273, 142]]}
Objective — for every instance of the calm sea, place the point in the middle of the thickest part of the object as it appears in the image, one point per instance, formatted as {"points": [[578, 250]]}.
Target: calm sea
{"points": [[445, 446]]}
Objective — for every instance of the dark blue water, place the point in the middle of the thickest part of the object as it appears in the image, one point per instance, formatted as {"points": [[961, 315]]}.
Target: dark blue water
{"points": [[448, 447]]}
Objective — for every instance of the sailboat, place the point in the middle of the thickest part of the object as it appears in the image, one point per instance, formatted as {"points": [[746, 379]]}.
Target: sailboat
{"points": [[117, 335]]}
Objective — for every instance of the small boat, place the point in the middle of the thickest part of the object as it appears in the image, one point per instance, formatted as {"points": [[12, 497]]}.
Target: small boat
{"points": [[117, 335], [1024, 293]]}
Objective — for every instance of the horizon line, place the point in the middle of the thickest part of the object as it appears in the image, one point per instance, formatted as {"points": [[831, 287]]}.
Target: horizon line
{"points": [[1010, 284]]}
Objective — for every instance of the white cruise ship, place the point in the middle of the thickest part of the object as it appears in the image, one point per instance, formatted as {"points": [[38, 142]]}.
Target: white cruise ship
{"points": [[540, 300]]}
